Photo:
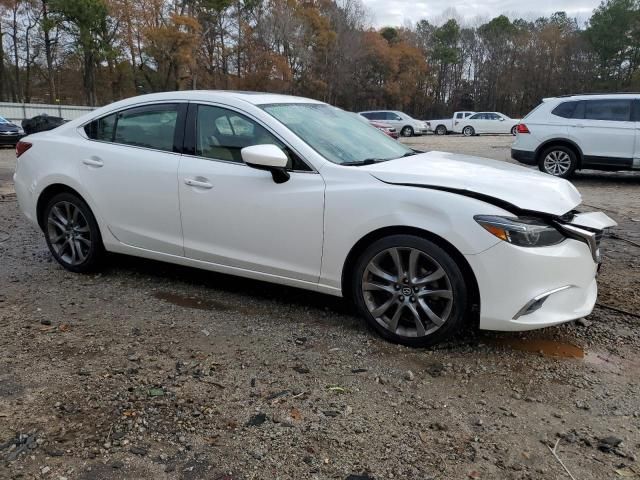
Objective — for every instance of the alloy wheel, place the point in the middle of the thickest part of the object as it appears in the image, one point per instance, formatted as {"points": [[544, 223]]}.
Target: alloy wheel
{"points": [[407, 292], [557, 162], [407, 132], [468, 131], [441, 130], [69, 233]]}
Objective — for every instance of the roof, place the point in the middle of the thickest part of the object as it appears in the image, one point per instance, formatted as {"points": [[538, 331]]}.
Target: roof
{"points": [[255, 98], [584, 96]]}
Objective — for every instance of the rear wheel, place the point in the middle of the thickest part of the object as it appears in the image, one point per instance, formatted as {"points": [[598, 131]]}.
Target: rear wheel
{"points": [[514, 130], [72, 233], [409, 290], [559, 161], [441, 130], [406, 131], [468, 131]]}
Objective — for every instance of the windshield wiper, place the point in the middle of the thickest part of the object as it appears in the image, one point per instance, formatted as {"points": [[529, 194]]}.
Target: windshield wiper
{"points": [[366, 161]]}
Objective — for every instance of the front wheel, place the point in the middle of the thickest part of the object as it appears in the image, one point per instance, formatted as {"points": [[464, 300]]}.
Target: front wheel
{"points": [[72, 233], [468, 131], [558, 161], [406, 131], [410, 291]]}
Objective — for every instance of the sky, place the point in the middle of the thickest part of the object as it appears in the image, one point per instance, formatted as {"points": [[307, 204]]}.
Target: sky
{"points": [[402, 12]]}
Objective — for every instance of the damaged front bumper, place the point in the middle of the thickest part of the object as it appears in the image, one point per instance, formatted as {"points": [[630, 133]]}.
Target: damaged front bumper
{"points": [[529, 288], [588, 228]]}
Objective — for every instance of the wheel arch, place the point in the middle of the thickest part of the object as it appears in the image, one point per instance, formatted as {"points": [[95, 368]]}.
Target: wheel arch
{"points": [[48, 193], [564, 142], [368, 239]]}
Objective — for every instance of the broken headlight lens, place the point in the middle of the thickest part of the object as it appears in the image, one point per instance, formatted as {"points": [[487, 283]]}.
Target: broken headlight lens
{"points": [[521, 231]]}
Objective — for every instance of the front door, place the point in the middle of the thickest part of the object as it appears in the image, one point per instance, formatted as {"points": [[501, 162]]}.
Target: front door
{"points": [[131, 171], [237, 216]]}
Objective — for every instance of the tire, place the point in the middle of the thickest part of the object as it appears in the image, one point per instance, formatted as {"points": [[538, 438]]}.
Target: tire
{"points": [[468, 131], [559, 161], [514, 130], [76, 244], [440, 130], [393, 306], [407, 131]]}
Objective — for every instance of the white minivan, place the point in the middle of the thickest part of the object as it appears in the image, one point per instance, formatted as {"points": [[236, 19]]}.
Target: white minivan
{"points": [[574, 132]]}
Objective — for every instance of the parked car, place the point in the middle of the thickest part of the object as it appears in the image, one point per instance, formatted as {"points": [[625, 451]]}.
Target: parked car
{"points": [[10, 133], [297, 192], [573, 132], [41, 123], [386, 128], [486, 122], [446, 125], [407, 126]]}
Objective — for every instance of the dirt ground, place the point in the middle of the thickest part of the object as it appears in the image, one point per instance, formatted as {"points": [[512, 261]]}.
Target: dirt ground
{"points": [[149, 370]]}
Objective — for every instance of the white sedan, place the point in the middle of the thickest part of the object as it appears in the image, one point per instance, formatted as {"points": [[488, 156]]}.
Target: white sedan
{"points": [[297, 192], [486, 122]]}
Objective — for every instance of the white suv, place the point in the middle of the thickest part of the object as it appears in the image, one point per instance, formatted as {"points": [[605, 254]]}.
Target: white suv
{"points": [[569, 133], [406, 125]]}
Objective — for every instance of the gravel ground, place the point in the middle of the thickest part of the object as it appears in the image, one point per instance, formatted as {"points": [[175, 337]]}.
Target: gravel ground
{"points": [[150, 370]]}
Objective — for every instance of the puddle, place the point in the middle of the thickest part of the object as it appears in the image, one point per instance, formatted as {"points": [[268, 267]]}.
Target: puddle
{"points": [[191, 302], [548, 348]]}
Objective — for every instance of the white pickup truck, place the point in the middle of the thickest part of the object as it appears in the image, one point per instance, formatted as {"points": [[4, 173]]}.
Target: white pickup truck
{"points": [[446, 125]]}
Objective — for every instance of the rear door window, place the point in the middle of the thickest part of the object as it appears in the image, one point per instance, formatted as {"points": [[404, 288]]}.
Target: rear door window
{"points": [[611, 110], [151, 126]]}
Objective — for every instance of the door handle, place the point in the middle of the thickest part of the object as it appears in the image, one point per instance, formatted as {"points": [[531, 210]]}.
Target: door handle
{"points": [[93, 162], [579, 125], [192, 182]]}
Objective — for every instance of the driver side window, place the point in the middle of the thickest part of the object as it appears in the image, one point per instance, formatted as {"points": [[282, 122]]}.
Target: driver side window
{"points": [[221, 134]]}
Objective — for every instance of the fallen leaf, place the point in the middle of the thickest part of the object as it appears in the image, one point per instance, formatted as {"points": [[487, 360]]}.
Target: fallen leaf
{"points": [[336, 389], [626, 472], [295, 414], [474, 474], [64, 327]]}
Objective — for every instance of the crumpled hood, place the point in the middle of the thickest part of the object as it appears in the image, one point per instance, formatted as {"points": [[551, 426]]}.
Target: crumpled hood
{"points": [[519, 186]]}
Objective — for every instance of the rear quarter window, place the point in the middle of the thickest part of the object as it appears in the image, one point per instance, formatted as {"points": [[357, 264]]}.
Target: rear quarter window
{"points": [[565, 109]]}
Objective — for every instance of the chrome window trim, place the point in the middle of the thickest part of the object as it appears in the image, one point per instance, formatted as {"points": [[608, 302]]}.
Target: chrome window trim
{"points": [[80, 129]]}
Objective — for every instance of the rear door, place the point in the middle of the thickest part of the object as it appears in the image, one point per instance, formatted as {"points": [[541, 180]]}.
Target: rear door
{"points": [[130, 169], [605, 131]]}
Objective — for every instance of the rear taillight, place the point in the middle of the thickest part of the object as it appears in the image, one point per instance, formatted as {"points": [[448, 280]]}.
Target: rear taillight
{"points": [[22, 147], [522, 128]]}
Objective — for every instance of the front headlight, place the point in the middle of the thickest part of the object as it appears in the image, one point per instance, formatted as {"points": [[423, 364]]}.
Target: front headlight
{"points": [[523, 231]]}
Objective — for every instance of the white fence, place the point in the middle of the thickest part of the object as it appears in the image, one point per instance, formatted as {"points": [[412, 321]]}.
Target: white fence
{"points": [[20, 111]]}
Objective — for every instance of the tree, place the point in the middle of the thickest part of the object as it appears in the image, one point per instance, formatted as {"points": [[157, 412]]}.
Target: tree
{"points": [[87, 21]]}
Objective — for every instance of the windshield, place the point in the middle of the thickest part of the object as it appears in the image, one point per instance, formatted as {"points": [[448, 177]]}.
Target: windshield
{"points": [[337, 135], [4, 120]]}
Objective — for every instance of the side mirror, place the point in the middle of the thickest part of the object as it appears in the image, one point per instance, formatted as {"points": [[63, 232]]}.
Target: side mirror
{"points": [[502, 119], [267, 157]]}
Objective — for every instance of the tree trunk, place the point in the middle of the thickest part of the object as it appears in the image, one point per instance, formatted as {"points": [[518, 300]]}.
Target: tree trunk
{"points": [[48, 52]]}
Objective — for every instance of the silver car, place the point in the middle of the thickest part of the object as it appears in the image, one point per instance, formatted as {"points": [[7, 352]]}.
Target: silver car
{"points": [[406, 125]]}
